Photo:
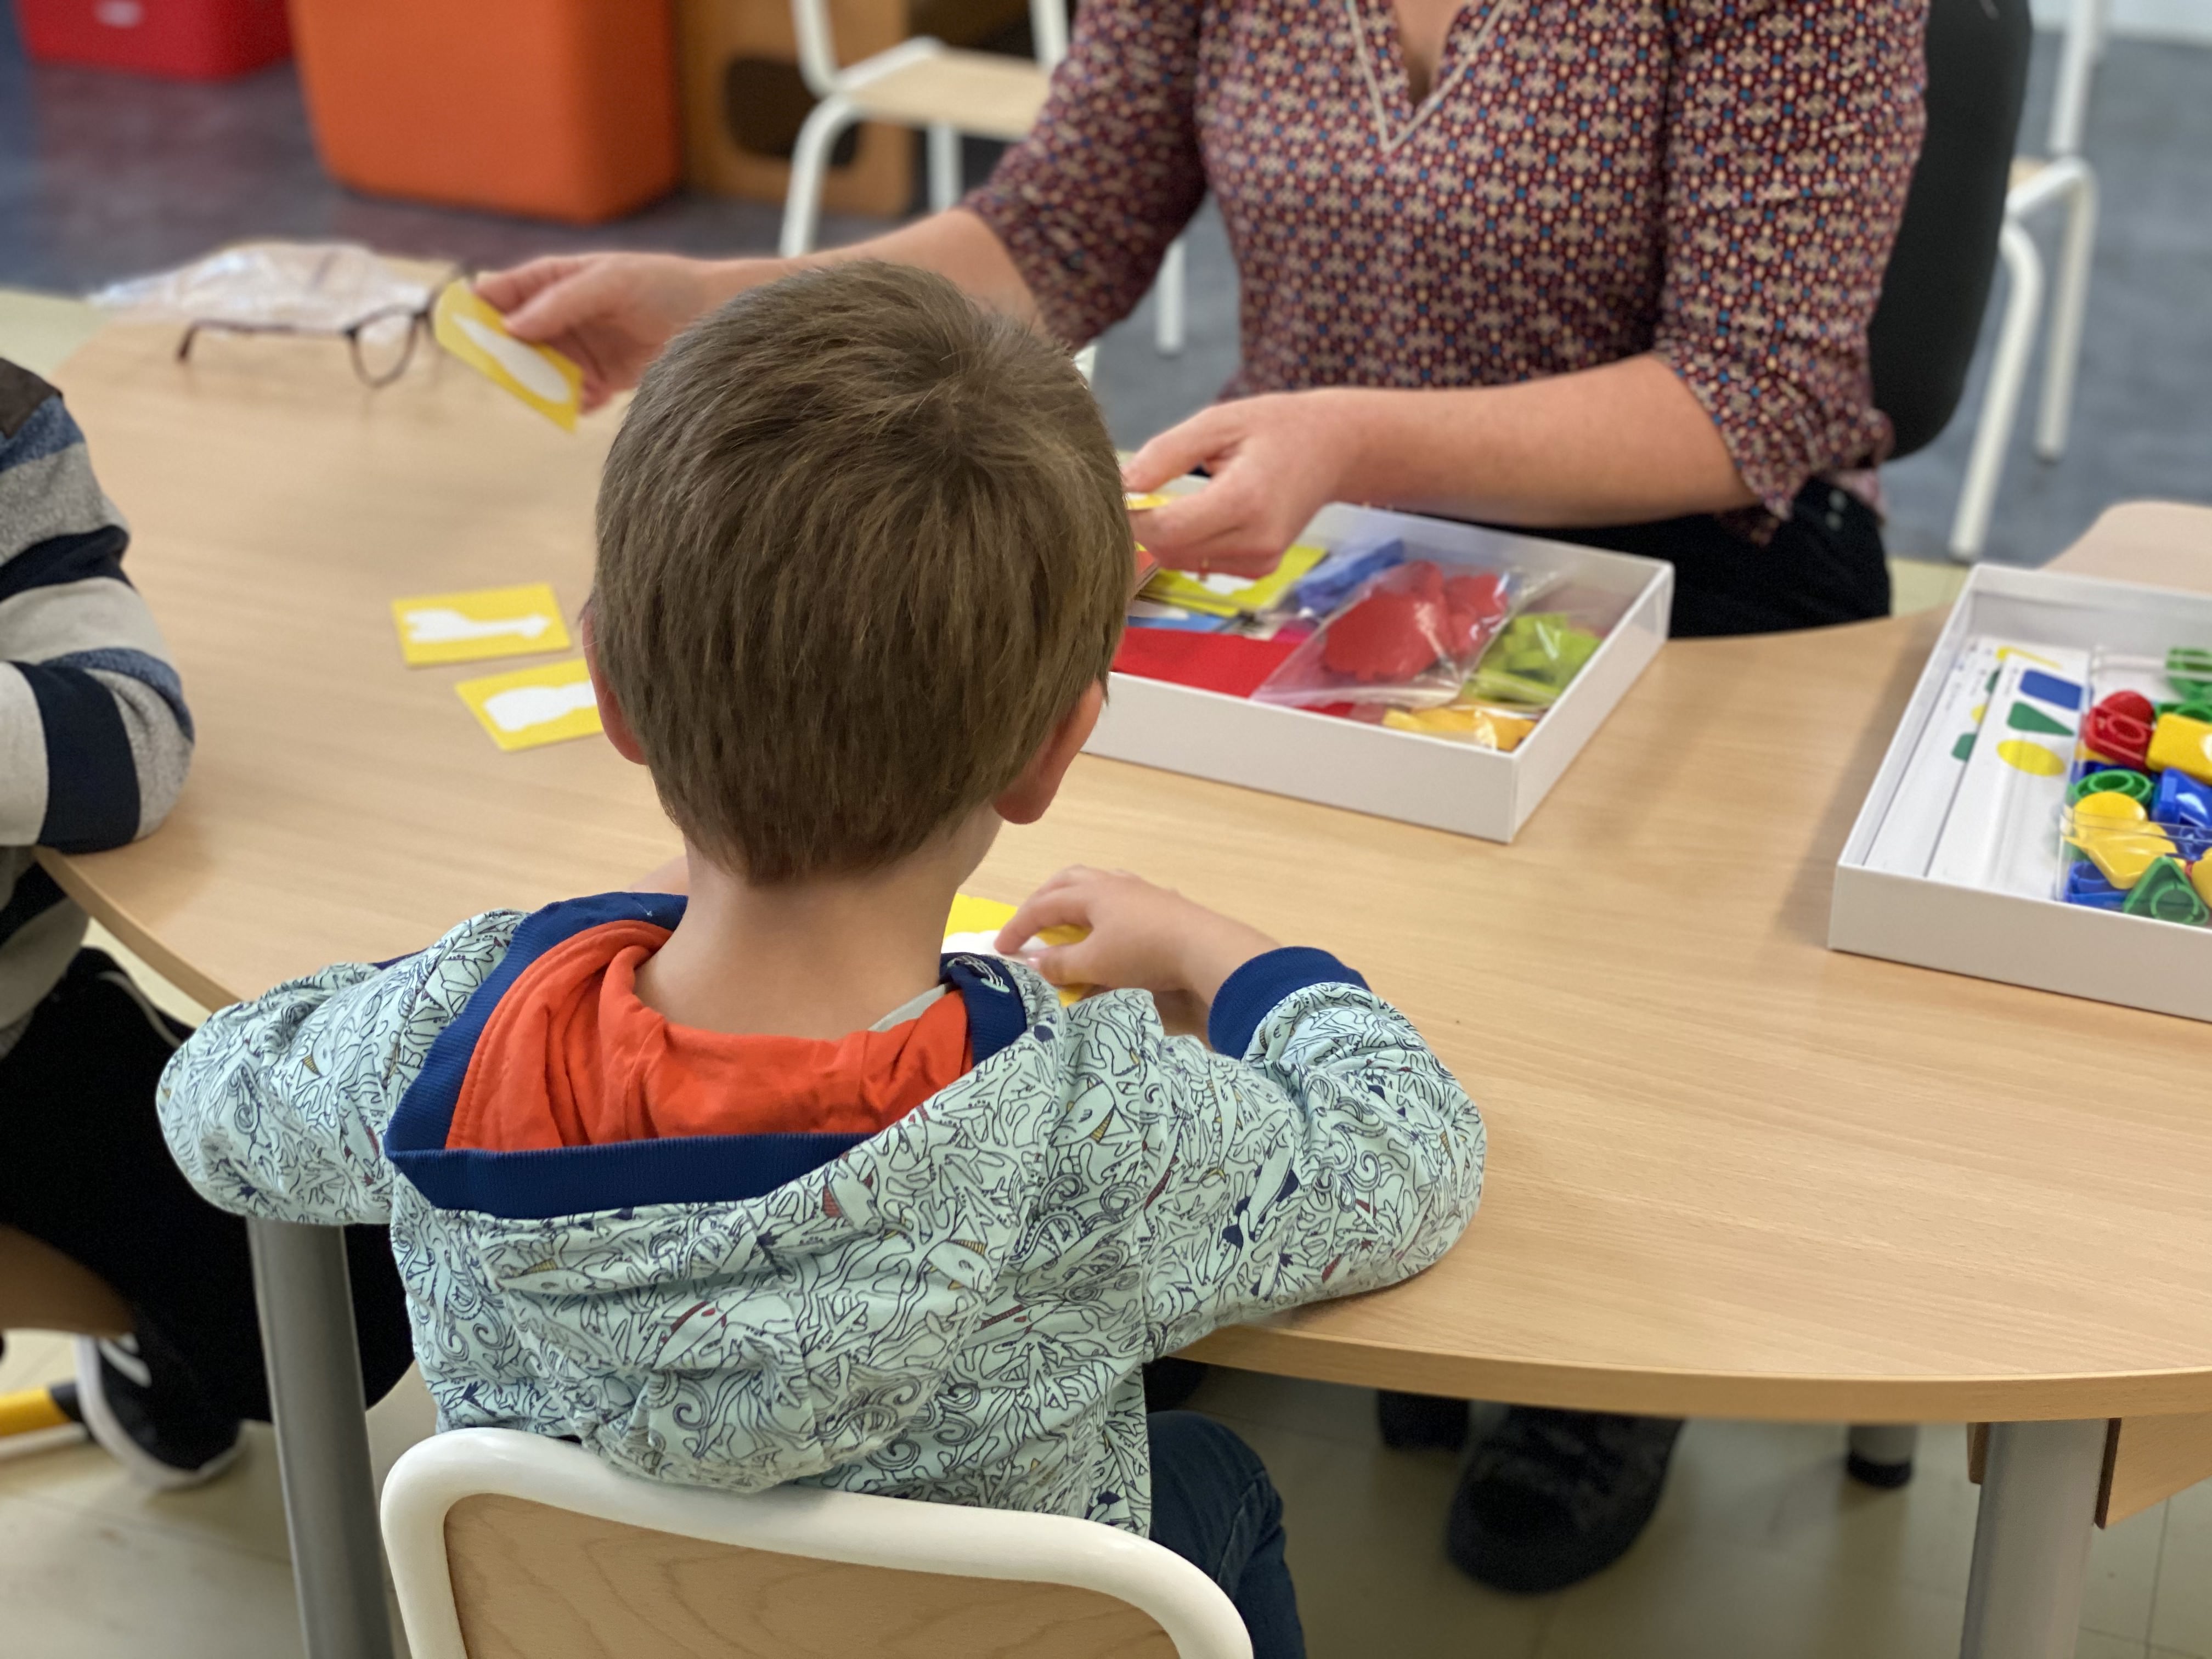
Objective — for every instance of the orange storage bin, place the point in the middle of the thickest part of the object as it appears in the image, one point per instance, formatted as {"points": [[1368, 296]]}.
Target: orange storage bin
{"points": [[556, 109]]}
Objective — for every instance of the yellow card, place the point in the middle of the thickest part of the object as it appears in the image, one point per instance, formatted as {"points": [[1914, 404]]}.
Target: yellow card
{"points": [[1223, 595], [491, 622], [974, 926], [466, 326], [550, 703]]}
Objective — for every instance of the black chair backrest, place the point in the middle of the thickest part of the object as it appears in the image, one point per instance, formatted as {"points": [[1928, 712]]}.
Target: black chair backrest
{"points": [[1937, 285]]}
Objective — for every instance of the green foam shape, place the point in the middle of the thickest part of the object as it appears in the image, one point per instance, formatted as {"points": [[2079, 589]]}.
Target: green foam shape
{"points": [[2164, 894], [2026, 717]]}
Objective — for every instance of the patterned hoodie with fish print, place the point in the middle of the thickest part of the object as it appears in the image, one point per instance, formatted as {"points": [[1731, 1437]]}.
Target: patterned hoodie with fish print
{"points": [[952, 1307]]}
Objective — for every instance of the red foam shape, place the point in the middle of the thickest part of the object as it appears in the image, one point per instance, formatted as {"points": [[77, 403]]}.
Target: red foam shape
{"points": [[1228, 662], [1389, 636]]}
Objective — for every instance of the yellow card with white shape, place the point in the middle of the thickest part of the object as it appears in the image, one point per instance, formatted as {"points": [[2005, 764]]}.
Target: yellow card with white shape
{"points": [[489, 621], [974, 925], [550, 703], [468, 327]]}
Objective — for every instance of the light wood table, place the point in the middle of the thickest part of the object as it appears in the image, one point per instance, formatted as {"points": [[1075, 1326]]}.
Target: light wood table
{"points": [[1731, 1173]]}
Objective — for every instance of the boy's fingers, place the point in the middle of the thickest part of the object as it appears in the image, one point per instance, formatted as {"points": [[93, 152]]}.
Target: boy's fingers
{"points": [[1041, 910], [1065, 964]]}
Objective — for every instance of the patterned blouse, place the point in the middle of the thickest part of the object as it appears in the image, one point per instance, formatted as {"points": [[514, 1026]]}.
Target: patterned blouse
{"points": [[1717, 181]]}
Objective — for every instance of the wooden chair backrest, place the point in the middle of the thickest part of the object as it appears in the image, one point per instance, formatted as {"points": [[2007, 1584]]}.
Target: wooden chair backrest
{"points": [[534, 1581]]}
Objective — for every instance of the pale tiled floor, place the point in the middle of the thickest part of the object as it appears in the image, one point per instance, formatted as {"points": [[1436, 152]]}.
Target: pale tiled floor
{"points": [[1760, 1549]]}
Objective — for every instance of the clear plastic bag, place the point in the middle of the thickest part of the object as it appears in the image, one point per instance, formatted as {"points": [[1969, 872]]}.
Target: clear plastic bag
{"points": [[1406, 638], [318, 287]]}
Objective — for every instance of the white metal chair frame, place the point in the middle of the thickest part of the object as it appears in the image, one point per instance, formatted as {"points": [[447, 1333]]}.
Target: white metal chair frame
{"points": [[842, 100], [2066, 178], [830, 1526]]}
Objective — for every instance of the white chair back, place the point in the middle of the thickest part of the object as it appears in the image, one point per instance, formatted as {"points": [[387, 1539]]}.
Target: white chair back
{"points": [[509, 1545]]}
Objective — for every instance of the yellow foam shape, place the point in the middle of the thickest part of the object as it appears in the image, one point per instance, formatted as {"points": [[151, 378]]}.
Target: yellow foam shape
{"points": [[2183, 743], [2123, 855], [1231, 596], [530, 706], [970, 914], [1145, 501], [2030, 757], [1480, 726], [2109, 806], [468, 328], [488, 622]]}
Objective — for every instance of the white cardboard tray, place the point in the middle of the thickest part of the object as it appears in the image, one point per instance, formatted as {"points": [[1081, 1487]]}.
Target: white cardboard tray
{"points": [[2042, 943], [1403, 774]]}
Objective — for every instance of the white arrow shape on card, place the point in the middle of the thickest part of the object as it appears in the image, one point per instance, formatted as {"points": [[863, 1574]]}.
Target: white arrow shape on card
{"points": [[530, 370], [438, 626], [524, 706]]}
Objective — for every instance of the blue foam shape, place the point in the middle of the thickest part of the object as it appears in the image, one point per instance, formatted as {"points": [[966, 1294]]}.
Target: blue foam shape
{"points": [[2182, 799], [2064, 694], [1330, 582], [1194, 623], [2086, 884]]}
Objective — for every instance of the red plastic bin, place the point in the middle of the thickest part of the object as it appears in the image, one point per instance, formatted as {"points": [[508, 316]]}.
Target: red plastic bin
{"points": [[189, 40], [556, 109]]}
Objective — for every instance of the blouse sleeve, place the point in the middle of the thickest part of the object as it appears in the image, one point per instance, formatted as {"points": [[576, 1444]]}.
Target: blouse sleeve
{"points": [[1797, 123], [1087, 204]]}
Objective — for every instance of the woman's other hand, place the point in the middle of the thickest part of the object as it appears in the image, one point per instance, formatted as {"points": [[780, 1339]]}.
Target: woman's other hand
{"points": [[612, 312], [1275, 460]]}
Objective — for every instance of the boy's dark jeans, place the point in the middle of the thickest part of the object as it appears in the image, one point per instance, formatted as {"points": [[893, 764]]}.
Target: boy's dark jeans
{"points": [[1213, 1504]]}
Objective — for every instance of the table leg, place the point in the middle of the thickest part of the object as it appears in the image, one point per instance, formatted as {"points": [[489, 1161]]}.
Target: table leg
{"points": [[2032, 1539], [1881, 1453], [322, 1438]]}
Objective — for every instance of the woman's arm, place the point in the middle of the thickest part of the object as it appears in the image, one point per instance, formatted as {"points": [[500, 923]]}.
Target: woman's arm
{"points": [[612, 312], [1617, 445]]}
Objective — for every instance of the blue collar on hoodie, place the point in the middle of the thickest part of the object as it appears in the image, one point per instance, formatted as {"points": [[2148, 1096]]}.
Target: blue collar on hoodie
{"points": [[685, 1169]]}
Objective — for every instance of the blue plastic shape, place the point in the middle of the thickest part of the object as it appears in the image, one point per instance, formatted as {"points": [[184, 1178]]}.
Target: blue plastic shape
{"points": [[2182, 799], [2086, 884]]}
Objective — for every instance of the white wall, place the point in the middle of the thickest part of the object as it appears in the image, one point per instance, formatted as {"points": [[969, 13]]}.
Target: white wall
{"points": [[2150, 20]]}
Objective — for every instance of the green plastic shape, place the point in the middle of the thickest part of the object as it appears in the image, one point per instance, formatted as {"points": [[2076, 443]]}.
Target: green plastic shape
{"points": [[2164, 894], [2189, 668], [2114, 782]]}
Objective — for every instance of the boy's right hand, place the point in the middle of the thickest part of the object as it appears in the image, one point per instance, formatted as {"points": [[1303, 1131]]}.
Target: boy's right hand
{"points": [[612, 312], [1142, 937]]}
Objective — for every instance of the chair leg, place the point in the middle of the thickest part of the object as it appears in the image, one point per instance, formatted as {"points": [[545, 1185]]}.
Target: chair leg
{"points": [[1168, 294], [809, 165], [943, 166], [1881, 1453], [2069, 298], [1969, 527]]}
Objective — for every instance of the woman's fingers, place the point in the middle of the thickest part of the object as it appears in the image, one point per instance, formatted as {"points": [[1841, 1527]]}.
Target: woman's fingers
{"points": [[503, 290], [568, 302], [1182, 448]]}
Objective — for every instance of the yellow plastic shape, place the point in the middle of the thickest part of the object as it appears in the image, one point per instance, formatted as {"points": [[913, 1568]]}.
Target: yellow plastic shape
{"points": [[468, 328], [489, 622], [2123, 855], [2030, 757], [2184, 744], [974, 923], [1223, 595], [2200, 877], [2109, 806], [532, 707], [31, 1411]]}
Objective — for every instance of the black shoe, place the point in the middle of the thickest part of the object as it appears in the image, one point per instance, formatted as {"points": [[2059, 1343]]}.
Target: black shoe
{"points": [[157, 1424], [1412, 1422], [1552, 1497], [1170, 1381]]}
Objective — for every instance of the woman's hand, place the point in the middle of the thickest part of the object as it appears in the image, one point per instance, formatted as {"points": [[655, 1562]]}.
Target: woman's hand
{"points": [[1275, 460], [612, 312], [1142, 937]]}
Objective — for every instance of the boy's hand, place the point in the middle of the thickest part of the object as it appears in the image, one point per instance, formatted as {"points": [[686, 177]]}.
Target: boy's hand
{"points": [[1142, 937]]}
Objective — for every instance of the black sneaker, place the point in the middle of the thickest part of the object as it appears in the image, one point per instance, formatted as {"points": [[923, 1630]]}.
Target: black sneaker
{"points": [[1552, 1497], [160, 1430]]}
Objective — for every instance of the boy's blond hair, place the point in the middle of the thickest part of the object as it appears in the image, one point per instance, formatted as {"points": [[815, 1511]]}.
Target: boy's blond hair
{"points": [[861, 545]]}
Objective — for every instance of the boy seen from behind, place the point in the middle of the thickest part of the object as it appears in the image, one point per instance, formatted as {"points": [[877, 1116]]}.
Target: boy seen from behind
{"points": [[757, 1187]]}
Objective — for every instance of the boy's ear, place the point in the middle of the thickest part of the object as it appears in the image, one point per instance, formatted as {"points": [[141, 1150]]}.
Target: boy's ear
{"points": [[1026, 799], [610, 714]]}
